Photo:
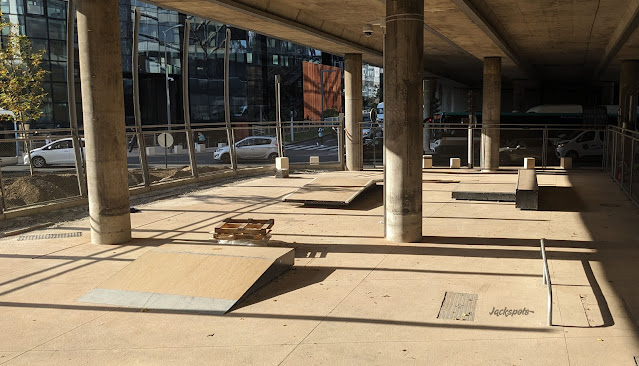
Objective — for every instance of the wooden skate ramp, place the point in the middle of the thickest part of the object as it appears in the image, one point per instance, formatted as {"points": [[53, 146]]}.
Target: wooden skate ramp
{"points": [[209, 278], [330, 191]]}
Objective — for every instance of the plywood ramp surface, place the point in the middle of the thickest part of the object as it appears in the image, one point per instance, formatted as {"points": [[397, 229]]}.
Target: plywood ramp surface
{"points": [[330, 190], [192, 277]]}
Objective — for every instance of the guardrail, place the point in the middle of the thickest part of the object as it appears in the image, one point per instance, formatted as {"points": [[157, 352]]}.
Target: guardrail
{"points": [[547, 281]]}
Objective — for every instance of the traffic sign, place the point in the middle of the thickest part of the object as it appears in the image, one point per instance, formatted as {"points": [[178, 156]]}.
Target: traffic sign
{"points": [[165, 139]]}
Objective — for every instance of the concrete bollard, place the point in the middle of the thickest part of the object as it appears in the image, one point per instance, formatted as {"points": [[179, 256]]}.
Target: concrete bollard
{"points": [[199, 147], [177, 149], [455, 163], [281, 167], [150, 150], [427, 161], [566, 163], [314, 160], [529, 163]]}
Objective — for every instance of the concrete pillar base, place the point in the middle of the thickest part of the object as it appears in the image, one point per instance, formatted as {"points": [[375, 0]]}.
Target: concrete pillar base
{"points": [[314, 160], [566, 163], [281, 167]]}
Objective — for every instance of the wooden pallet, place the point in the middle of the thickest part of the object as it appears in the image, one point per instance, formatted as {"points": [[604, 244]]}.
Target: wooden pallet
{"points": [[246, 229]]}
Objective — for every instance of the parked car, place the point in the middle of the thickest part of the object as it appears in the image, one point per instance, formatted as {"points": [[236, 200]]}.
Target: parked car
{"points": [[59, 152], [250, 148], [582, 144]]}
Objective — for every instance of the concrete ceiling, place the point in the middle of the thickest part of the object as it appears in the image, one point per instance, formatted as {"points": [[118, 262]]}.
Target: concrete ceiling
{"points": [[558, 40]]}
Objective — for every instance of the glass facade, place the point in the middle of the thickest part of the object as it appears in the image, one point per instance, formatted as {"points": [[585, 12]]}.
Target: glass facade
{"points": [[254, 61]]}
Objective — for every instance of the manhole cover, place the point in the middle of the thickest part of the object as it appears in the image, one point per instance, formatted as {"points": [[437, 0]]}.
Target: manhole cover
{"points": [[49, 236], [458, 306]]}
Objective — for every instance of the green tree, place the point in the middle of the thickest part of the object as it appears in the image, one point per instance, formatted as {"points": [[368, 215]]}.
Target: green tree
{"points": [[21, 75], [331, 112]]}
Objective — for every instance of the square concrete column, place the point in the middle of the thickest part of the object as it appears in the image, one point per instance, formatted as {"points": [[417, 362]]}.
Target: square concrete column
{"points": [[104, 127], [491, 111], [403, 70], [519, 96], [430, 85], [627, 104], [354, 106]]}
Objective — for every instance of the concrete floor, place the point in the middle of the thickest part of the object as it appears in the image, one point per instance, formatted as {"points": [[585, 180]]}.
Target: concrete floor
{"points": [[352, 298]]}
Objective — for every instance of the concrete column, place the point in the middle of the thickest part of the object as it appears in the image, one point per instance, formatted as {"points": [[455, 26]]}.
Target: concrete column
{"points": [[491, 109], [628, 78], [519, 96], [403, 58], [354, 106], [430, 86], [104, 127], [608, 93]]}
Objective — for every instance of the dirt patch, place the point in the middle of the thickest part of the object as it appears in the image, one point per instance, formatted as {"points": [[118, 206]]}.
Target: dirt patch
{"points": [[21, 191], [163, 175]]}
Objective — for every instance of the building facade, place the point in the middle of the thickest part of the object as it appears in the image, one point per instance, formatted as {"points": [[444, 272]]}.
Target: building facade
{"points": [[255, 59]]}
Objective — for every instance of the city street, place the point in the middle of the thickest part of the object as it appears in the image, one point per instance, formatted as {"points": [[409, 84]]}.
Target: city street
{"points": [[297, 153]]}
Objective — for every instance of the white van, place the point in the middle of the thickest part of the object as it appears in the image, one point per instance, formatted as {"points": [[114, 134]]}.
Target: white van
{"points": [[380, 112], [582, 144], [557, 108]]}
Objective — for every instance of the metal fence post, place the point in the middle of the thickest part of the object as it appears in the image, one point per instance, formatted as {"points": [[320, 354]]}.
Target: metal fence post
{"points": [[185, 98], [230, 136], [3, 204], [278, 117], [340, 142], [136, 102], [632, 163], [544, 148], [73, 120]]}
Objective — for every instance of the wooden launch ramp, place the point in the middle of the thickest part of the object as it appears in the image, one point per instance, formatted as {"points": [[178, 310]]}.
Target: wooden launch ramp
{"points": [[331, 191], [182, 277]]}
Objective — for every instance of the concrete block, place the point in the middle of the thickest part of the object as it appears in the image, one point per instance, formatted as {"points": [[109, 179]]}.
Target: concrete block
{"points": [[177, 149], [566, 163], [281, 173], [455, 163], [427, 162], [150, 150], [200, 147], [281, 163], [529, 163], [314, 160]]}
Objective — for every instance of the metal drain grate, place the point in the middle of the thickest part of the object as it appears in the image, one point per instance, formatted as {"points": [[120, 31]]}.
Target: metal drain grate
{"points": [[49, 236], [458, 306]]}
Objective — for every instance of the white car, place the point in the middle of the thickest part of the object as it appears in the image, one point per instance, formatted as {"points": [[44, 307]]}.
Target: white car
{"points": [[581, 145], [59, 152], [250, 148]]}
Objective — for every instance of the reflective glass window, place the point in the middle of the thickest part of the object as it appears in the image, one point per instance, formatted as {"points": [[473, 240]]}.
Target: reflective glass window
{"points": [[57, 9], [36, 27], [35, 7], [57, 29]]}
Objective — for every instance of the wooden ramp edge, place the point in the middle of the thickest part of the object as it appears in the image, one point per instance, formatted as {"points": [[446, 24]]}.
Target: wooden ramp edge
{"points": [[202, 278], [337, 191]]}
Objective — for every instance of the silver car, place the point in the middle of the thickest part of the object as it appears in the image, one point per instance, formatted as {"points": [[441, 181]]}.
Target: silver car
{"points": [[250, 148], [59, 152]]}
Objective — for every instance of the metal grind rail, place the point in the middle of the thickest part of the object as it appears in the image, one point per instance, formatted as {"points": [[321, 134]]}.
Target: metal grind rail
{"points": [[546, 280]]}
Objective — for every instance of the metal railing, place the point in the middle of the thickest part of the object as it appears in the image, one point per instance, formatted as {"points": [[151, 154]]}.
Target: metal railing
{"points": [[151, 165], [620, 160], [546, 280], [446, 140]]}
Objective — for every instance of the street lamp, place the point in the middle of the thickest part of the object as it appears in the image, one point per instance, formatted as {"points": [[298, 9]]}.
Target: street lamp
{"points": [[322, 90], [166, 75]]}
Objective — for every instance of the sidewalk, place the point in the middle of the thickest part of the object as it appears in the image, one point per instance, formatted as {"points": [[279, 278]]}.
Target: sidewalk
{"points": [[352, 298]]}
